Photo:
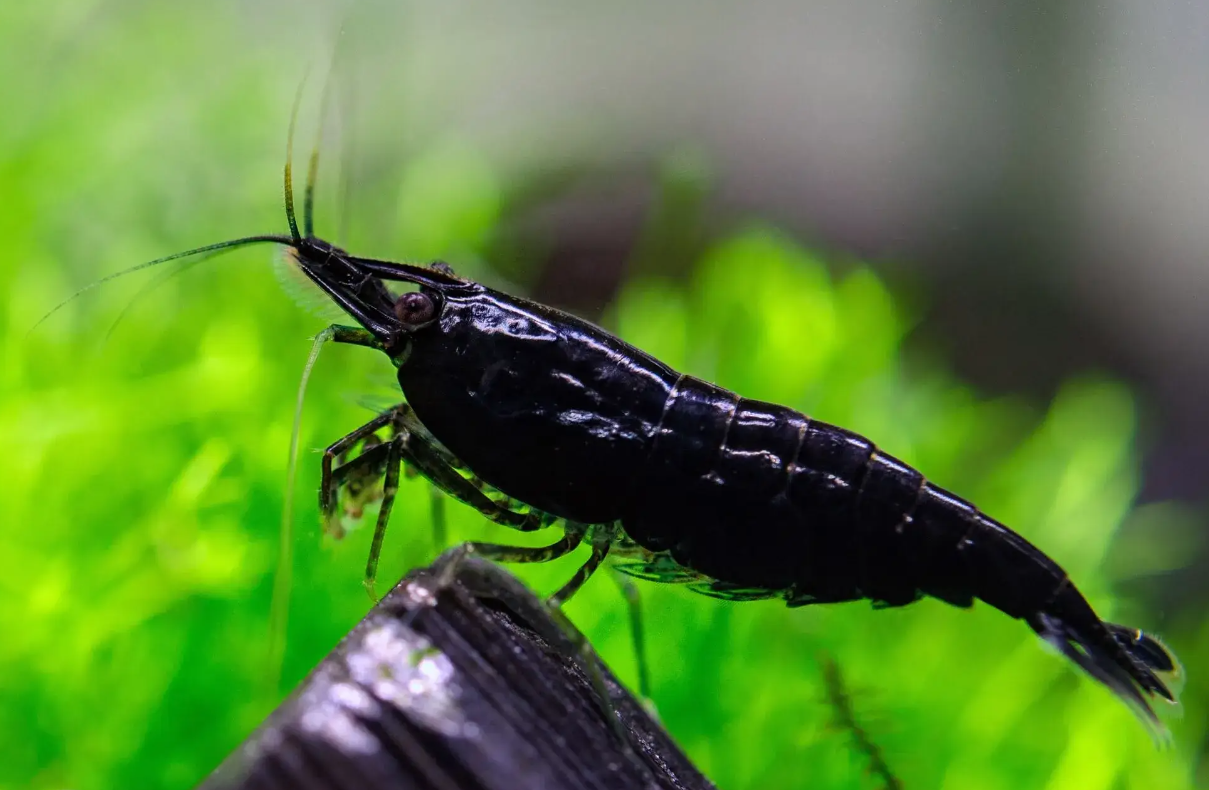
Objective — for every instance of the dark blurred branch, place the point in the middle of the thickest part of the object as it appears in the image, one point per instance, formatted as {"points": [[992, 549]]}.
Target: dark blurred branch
{"points": [[845, 719], [469, 686]]}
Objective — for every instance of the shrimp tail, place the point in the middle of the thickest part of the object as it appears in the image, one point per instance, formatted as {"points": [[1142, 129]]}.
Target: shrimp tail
{"points": [[1133, 665]]}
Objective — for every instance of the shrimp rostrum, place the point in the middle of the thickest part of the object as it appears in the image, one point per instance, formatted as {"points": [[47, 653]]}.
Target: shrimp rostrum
{"points": [[537, 418]]}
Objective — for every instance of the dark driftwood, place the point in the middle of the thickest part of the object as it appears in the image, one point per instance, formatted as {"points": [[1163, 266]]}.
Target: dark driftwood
{"points": [[472, 686]]}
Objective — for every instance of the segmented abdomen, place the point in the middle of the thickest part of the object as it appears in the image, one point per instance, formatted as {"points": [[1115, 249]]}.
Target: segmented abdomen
{"points": [[765, 501]]}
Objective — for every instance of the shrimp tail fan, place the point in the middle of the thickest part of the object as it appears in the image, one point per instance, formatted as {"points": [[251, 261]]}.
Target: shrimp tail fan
{"points": [[1132, 664]]}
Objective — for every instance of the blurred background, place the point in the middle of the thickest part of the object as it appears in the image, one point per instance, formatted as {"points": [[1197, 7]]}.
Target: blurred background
{"points": [[972, 231]]}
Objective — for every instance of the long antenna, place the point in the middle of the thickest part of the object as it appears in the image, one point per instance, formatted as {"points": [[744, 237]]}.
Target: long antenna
{"points": [[279, 606], [348, 138], [308, 204], [308, 200], [153, 284], [209, 248], [289, 165]]}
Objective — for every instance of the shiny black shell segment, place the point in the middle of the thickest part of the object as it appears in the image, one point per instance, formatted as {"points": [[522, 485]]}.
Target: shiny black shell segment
{"points": [[543, 406]]}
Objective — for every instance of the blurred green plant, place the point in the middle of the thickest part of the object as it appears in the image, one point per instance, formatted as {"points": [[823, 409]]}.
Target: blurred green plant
{"points": [[143, 478]]}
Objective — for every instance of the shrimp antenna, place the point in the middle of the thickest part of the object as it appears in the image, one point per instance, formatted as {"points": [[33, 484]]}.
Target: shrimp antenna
{"points": [[222, 246], [289, 166], [347, 141], [293, 238], [153, 284], [308, 205], [308, 200], [279, 607], [279, 603]]}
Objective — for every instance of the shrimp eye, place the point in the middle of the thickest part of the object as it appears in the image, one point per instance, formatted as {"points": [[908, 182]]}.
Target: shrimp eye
{"points": [[414, 308]]}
